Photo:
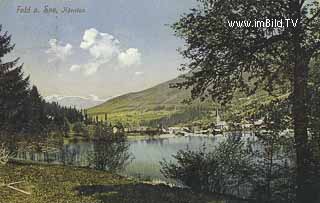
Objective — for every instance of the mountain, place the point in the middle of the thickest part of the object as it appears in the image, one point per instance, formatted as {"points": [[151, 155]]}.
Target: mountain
{"points": [[159, 96], [162, 105], [157, 105], [77, 101]]}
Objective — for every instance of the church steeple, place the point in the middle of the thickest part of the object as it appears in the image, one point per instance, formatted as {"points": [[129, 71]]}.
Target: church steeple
{"points": [[218, 118]]}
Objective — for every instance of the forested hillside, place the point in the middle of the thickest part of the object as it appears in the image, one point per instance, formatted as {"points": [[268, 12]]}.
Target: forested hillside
{"points": [[162, 105]]}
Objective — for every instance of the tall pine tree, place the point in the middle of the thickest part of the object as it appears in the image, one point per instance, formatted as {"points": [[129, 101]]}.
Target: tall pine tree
{"points": [[34, 115], [22, 109], [13, 87]]}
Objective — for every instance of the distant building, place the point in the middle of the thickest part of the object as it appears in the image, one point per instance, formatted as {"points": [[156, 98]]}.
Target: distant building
{"points": [[246, 124], [221, 125]]}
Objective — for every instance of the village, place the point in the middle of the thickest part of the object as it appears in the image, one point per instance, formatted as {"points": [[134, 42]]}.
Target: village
{"points": [[220, 126]]}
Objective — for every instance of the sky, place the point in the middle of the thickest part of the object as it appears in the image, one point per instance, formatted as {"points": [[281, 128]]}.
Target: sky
{"points": [[110, 48]]}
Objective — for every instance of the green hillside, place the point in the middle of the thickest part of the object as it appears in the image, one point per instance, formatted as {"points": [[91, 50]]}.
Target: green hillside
{"points": [[155, 98], [159, 104], [163, 105]]}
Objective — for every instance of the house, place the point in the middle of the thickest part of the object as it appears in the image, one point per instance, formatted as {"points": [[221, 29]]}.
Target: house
{"points": [[220, 125]]}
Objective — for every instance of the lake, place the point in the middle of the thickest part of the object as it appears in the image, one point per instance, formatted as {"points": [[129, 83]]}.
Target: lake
{"points": [[146, 153], [149, 152]]}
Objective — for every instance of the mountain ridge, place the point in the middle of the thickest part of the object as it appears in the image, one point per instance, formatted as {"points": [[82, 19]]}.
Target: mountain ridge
{"points": [[162, 105], [158, 105], [79, 102]]}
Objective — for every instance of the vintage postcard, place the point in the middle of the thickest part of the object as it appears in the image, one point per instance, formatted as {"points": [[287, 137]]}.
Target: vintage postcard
{"points": [[159, 101]]}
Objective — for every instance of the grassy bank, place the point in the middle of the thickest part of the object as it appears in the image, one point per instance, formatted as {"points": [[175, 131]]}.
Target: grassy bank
{"points": [[62, 184]]}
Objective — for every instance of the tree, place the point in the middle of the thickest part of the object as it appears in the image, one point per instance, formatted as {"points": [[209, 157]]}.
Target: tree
{"points": [[226, 57], [110, 152], [13, 87], [225, 170], [23, 110], [34, 113], [274, 166]]}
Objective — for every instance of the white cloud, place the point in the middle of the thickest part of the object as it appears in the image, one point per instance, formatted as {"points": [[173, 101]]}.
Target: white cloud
{"points": [[95, 98], [104, 48], [87, 69], [75, 67], [57, 51], [89, 38], [139, 73], [130, 57], [91, 68]]}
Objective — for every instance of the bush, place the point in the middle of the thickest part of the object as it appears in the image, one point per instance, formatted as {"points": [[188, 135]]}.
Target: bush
{"points": [[81, 129], [4, 155], [102, 130], [222, 170], [110, 153]]}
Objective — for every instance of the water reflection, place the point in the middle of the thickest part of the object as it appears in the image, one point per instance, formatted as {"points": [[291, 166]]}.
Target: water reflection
{"points": [[110, 154], [132, 157], [106, 153]]}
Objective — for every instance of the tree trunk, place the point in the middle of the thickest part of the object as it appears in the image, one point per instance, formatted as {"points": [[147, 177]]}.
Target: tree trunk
{"points": [[300, 120]]}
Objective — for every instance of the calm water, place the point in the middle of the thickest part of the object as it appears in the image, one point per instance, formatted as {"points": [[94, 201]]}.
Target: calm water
{"points": [[146, 153], [149, 152]]}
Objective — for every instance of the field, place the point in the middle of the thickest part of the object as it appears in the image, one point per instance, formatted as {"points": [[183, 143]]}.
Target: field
{"points": [[62, 184]]}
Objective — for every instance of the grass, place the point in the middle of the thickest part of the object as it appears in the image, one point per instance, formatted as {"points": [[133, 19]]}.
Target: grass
{"points": [[161, 104], [65, 184], [136, 117]]}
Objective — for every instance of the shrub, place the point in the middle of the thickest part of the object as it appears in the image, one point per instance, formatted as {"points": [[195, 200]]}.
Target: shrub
{"points": [[81, 129], [110, 151], [4, 155], [221, 170]]}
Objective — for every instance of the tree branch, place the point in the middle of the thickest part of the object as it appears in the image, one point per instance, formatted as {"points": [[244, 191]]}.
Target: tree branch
{"points": [[10, 185], [314, 48], [269, 41], [302, 3], [313, 17]]}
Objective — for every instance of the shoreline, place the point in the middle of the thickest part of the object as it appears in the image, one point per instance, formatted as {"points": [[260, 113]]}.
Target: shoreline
{"points": [[53, 183]]}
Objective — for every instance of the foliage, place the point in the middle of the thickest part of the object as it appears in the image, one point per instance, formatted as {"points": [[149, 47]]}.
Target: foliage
{"points": [[110, 151], [22, 109], [48, 184], [81, 129], [162, 105], [153, 106], [261, 167], [13, 87], [262, 171], [223, 59], [275, 166], [314, 123], [102, 130], [4, 155], [221, 170], [58, 119], [111, 155]]}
